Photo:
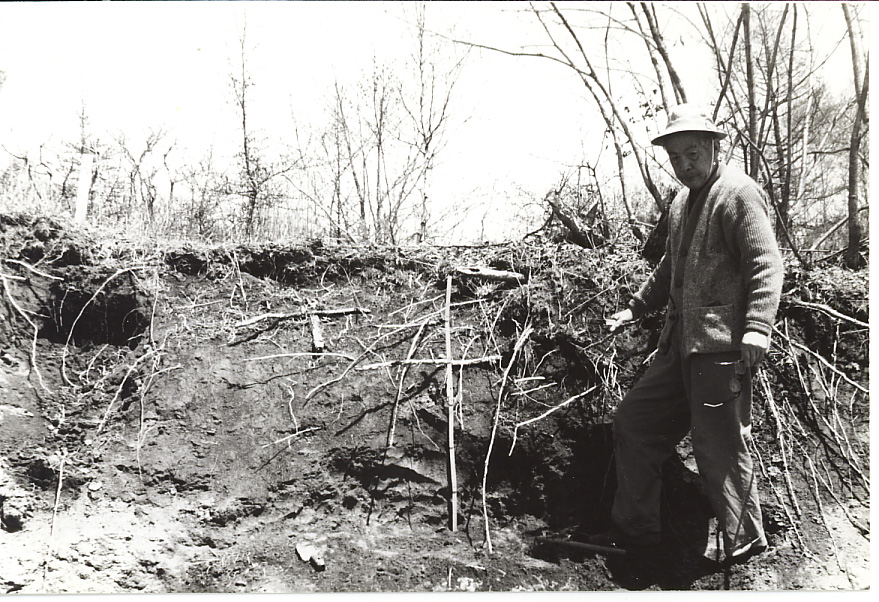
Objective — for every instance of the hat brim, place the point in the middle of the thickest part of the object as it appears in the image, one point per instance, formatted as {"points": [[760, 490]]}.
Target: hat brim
{"points": [[659, 140]]}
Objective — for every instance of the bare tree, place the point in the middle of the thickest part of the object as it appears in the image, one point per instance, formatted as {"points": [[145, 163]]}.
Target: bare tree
{"points": [[143, 170], [428, 109], [29, 176], [258, 174], [656, 40], [852, 255], [85, 166], [207, 187]]}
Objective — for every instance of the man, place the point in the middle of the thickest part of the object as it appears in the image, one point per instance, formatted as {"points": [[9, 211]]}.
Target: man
{"points": [[721, 279]]}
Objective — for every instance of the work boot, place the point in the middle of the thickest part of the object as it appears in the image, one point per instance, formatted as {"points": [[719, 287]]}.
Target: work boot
{"points": [[644, 556], [745, 555]]}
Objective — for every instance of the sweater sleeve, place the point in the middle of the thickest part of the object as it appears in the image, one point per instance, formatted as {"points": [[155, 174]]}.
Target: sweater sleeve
{"points": [[748, 232], [653, 294]]}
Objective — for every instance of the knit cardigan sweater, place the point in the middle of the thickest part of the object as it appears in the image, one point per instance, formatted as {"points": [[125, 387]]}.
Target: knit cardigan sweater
{"points": [[729, 279]]}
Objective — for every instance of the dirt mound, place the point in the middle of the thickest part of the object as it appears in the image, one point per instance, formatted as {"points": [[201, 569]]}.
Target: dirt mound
{"points": [[193, 419]]}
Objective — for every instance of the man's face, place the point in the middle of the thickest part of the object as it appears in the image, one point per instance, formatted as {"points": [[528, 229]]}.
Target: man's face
{"points": [[692, 157]]}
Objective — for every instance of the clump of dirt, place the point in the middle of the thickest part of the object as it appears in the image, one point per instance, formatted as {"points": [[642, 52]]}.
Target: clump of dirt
{"points": [[275, 419]]}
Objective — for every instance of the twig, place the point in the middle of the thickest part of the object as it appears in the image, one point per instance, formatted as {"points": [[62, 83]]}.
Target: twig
{"points": [[403, 371], [835, 435], [432, 321], [782, 440], [288, 437], [62, 460], [406, 308], [11, 277], [464, 350], [440, 361], [830, 312], [290, 405], [299, 354], [141, 432], [520, 342], [5, 278], [197, 305], [779, 497], [579, 545], [593, 298], [33, 269], [865, 531], [239, 284], [850, 458], [329, 313], [821, 359], [354, 362], [153, 313], [84, 375], [817, 495], [527, 393], [567, 402], [119, 389], [576, 232], [434, 314], [490, 274], [119, 272]]}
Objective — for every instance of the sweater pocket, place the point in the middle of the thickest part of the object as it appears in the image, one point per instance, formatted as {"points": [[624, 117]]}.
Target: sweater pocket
{"points": [[712, 329]]}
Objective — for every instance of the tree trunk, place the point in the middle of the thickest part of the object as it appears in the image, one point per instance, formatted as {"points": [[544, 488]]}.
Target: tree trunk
{"points": [[725, 73], [651, 51], [785, 203], [753, 158], [852, 255], [677, 86]]}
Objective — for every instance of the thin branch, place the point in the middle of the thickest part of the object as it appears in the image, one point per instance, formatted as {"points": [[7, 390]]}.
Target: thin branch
{"points": [[677, 85], [830, 312], [440, 361], [119, 272], [565, 403], [300, 354], [341, 311], [821, 359], [33, 357], [520, 342], [402, 377]]}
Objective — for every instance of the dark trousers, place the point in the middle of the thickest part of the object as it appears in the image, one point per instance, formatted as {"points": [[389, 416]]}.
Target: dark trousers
{"points": [[702, 393]]}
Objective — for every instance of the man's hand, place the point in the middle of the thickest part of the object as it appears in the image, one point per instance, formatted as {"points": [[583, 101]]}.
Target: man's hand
{"points": [[619, 319], [754, 346]]}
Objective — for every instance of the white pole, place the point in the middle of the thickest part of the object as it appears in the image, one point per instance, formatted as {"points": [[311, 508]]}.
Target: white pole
{"points": [[450, 393], [83, 187]]}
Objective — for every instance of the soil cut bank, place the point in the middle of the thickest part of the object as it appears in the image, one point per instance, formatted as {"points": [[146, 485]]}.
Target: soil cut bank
{"points": [[275, 419]]}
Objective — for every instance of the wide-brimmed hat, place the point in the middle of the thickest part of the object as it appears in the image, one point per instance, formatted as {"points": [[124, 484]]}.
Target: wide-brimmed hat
{"points": [[688, 118]]}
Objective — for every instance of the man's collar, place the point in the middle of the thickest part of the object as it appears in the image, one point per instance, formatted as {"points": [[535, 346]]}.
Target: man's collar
{"points": [[715, 174]]}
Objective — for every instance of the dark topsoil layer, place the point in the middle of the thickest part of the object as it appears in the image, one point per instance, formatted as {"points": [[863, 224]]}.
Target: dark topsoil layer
{"points": [[203, 443]]}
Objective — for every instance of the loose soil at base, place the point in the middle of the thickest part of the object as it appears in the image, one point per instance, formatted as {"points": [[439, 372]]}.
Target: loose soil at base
{"points": [[157, 447]]}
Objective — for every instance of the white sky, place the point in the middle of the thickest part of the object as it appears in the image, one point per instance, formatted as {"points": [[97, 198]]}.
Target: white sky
{"points": [[139, 65]]}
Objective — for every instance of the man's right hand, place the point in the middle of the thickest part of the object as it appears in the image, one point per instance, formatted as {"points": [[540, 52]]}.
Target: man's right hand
{"points": [[619, 319]]}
